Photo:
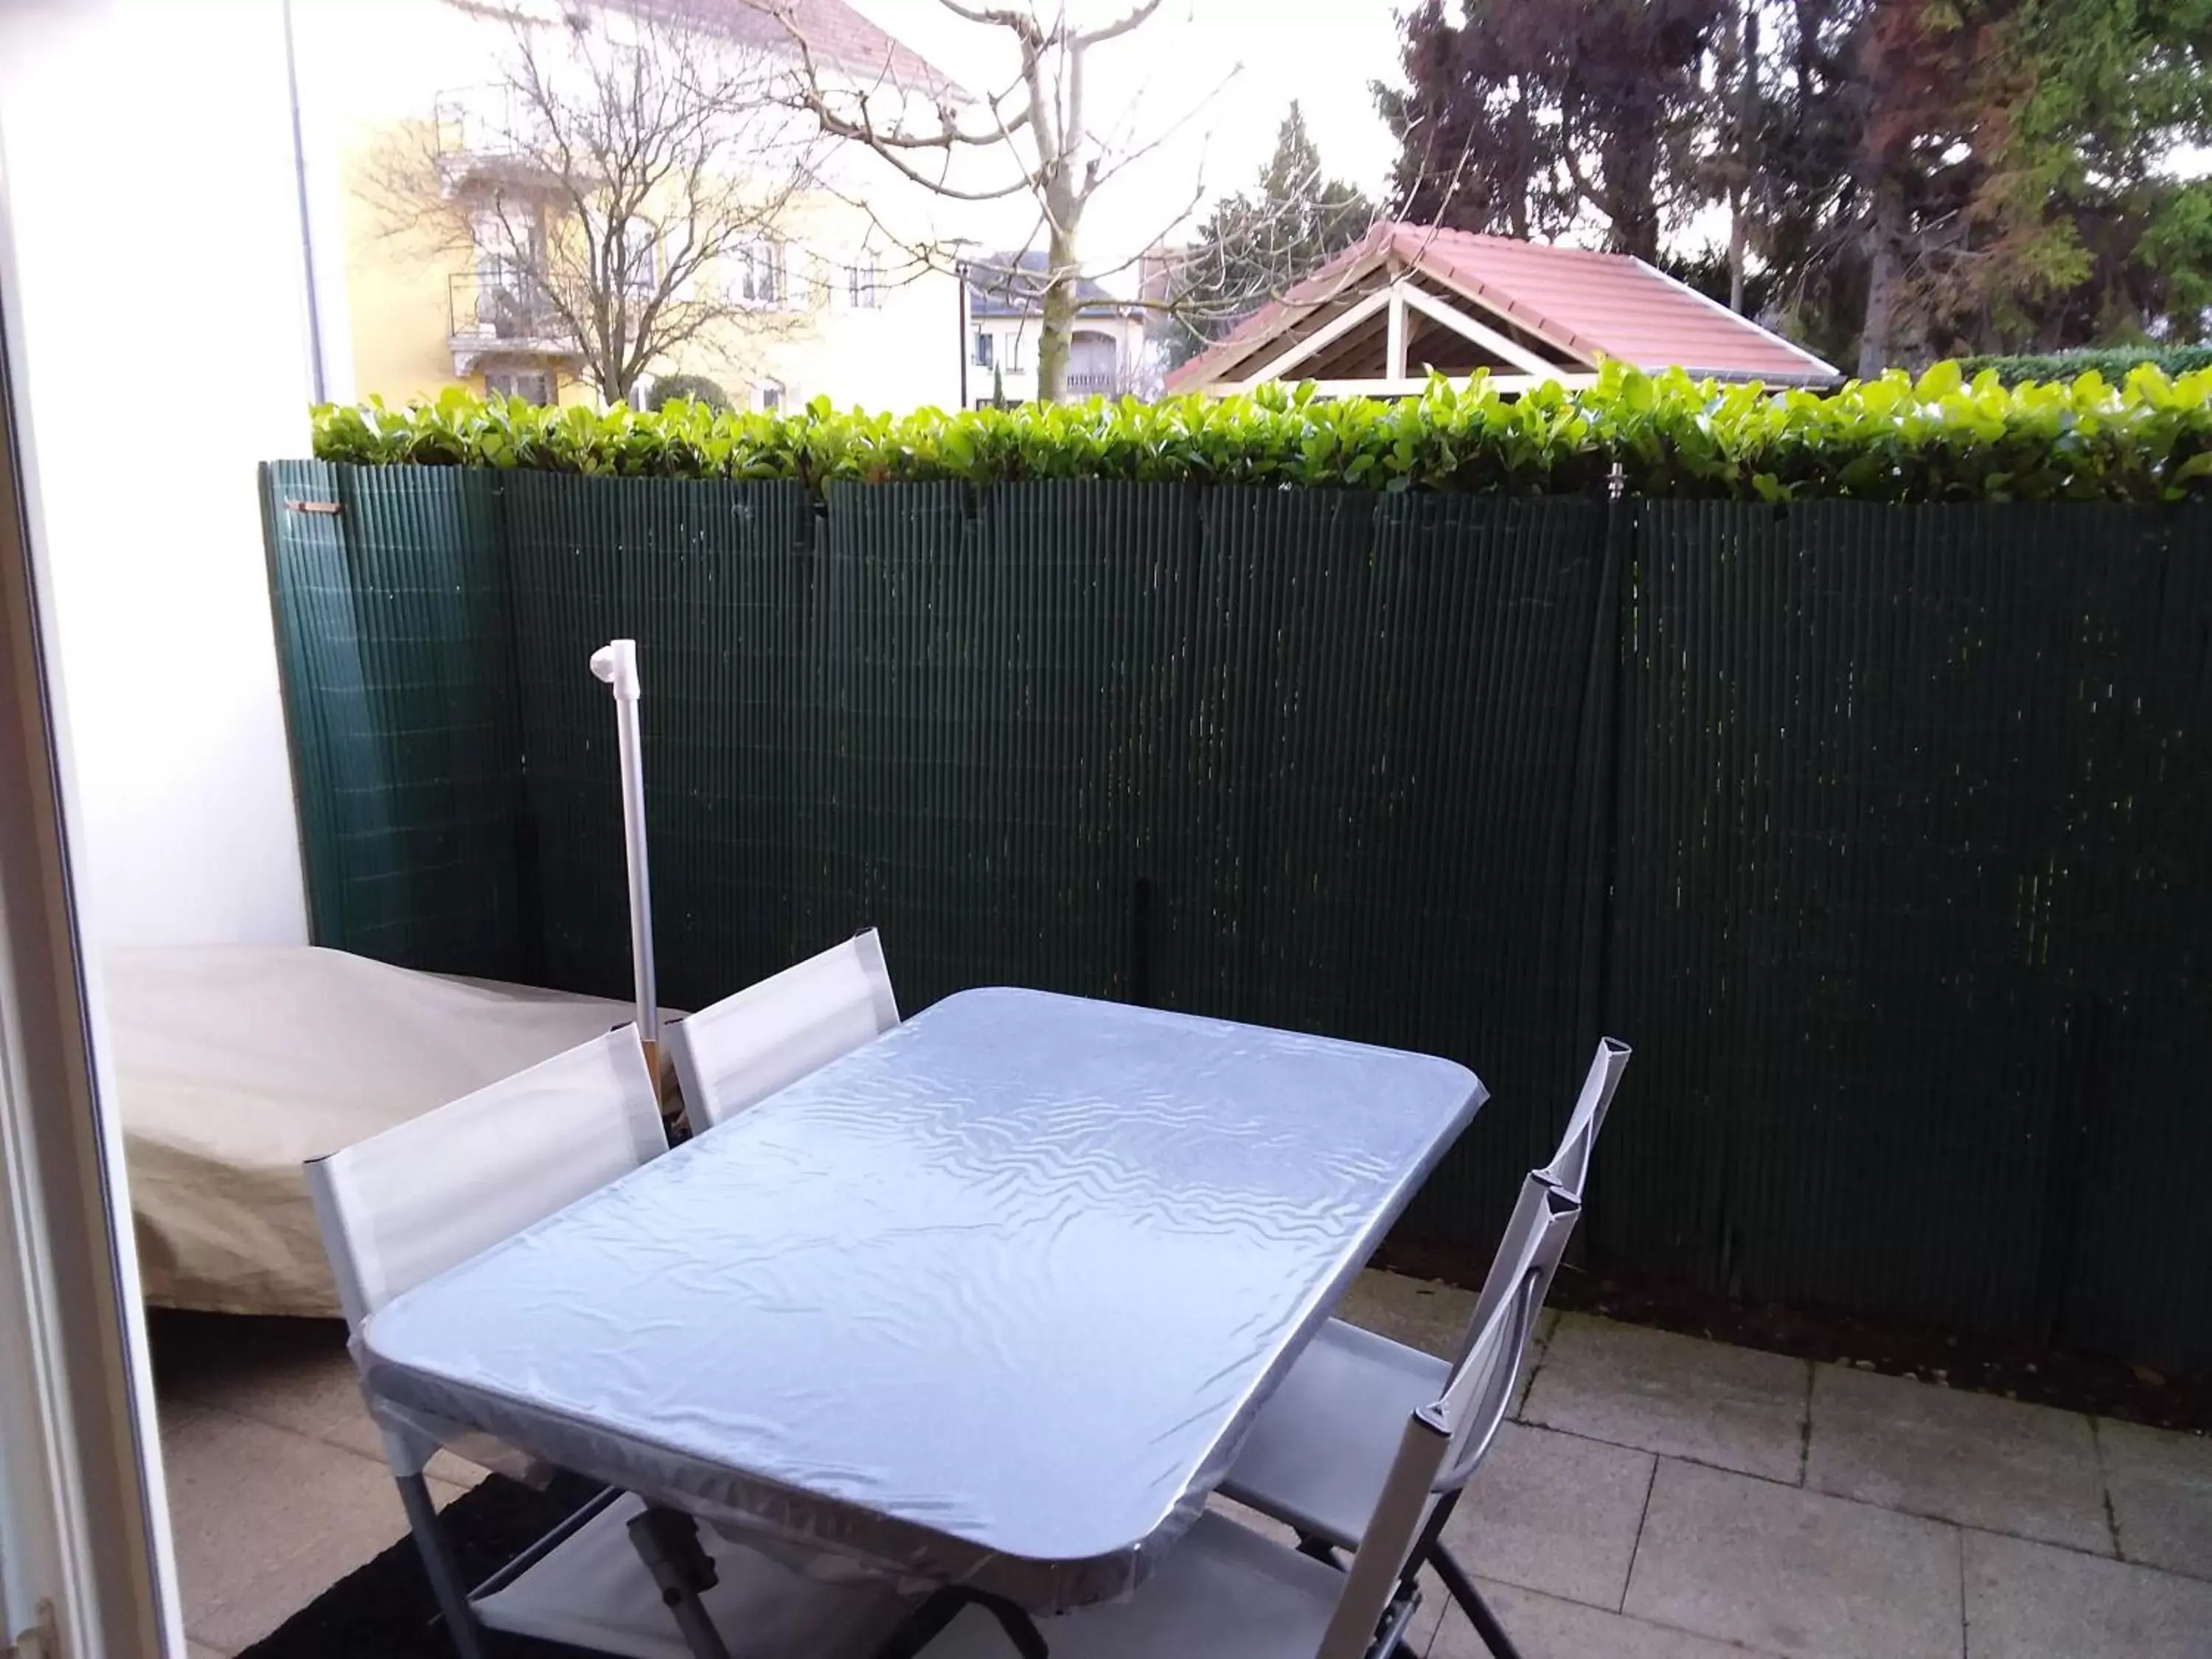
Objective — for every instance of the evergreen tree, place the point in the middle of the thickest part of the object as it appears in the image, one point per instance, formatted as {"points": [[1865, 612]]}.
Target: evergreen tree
{"points": [[1901, 179], [1255, 245], [1535, 118]]}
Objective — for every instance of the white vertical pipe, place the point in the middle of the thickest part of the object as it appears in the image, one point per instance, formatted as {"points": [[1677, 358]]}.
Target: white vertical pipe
{"points": [[615, 663]]}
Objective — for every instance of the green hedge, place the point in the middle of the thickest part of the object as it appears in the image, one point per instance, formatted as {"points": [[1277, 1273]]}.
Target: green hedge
{"points": [[2114, 364], [679, 388], [1940, 439]]}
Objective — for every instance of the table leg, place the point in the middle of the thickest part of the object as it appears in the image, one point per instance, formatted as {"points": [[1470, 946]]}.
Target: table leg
{"points": [[927, 1622], [1462, 1590], [1397, 1620], [438, 1563], [668, 1543], [1319, 1549]]}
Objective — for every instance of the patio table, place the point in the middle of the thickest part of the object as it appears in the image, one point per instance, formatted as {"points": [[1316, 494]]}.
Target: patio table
{"points": [[987, 1302]]}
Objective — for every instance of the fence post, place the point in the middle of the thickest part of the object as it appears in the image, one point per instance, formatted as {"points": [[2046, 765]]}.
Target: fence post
{"points": [[1597, 790], [2067, 1177], [1140, 971]]}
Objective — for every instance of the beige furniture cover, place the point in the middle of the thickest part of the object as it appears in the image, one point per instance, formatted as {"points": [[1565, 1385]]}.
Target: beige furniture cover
{"points": [[236, 1063]]}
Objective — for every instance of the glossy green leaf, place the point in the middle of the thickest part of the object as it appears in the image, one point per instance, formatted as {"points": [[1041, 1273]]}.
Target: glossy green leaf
{"points": [[2143, 437]]}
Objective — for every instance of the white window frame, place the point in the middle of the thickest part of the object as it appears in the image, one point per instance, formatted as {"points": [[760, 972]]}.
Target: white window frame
{"points": [[499, 258], [764, 273], [84, 1528], [771, 396], [642, 247], [863, 279], [552, 388]]}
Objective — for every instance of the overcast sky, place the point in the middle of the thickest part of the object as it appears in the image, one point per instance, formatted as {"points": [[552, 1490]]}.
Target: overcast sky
{"points": [[1177, 68]]}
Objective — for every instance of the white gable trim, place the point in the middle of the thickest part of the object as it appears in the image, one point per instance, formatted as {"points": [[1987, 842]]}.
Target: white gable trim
{"points": [[1399, 295], [1481, 333], [1413, 386], [1329, 332]]}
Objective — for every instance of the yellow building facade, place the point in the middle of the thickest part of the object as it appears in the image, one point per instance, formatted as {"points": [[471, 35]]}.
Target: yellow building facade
{"points": [[836, 304]]}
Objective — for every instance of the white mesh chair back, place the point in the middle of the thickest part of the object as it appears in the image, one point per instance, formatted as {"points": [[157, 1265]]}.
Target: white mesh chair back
{"points": [[744, 1048], [405, 1205], [1569, 1168], [1445, 1444]]}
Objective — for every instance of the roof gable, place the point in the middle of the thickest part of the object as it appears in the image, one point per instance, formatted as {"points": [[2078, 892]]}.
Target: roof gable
{"points": [[1012, 285], [1587, 304], [832, 30]]}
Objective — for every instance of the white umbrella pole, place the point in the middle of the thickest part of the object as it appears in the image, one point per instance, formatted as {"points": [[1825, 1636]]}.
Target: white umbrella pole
{"points": [[615, 663]]}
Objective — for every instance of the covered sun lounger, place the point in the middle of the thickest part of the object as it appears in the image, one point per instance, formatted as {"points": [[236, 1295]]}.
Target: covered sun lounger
{"points": [[236, 1064]]}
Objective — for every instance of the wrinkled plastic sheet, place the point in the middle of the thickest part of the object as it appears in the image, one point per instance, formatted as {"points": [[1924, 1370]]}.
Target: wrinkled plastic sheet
{"points": [[989, 1300]]}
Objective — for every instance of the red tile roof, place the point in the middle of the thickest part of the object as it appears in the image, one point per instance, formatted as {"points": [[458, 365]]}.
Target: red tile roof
{"points": [[1591, 304], [833, 30]]}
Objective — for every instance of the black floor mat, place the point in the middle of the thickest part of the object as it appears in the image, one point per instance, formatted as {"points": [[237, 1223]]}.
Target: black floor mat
{"points": [[386, 1611]]}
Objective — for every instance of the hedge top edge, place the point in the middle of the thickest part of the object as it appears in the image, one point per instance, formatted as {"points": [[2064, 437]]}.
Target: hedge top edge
{"points": [[1939, 438]]}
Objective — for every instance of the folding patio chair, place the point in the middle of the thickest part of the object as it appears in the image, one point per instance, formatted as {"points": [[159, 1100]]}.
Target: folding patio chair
{"points": [[1569, 1170], [742, 1049], [1227, 1592], [1320, 1448], [617, 1575]]}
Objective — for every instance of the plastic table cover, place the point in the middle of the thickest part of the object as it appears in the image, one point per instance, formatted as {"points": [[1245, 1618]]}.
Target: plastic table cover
{"points": [[990, 1300]]}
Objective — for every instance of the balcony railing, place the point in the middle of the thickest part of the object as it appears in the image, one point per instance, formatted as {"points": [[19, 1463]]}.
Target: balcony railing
{"points": [[1093, 385], [488, 134], [483, 121], [507, 310]]}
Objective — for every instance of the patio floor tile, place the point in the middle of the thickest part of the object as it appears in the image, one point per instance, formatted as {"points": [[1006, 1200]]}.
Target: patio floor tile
{"points": [[1675, 1395], [292, 1374], [2161, 1483], [1281, 1531], [1548, 1511], [1428, 1315], [1545, 1627], [1798, 1573], [1972, 1458], [265, 1520], [2029, 1600], [1421, 1313]]}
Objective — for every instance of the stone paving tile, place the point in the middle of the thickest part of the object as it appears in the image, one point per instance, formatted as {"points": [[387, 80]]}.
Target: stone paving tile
{"points": [[1798, 1573], [1548, 1511], [1675, 1395], [265, 1520], [1545, 1627], [275, 1495], [1280, 1531], [294, 1374], [1421, 1313], [1972, 1458], [2029, 1601], [2161, 1485], [1429, 1315]]}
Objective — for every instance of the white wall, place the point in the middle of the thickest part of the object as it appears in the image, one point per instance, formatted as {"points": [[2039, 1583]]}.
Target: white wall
{"points": [[1014, 341], [149, 180]]}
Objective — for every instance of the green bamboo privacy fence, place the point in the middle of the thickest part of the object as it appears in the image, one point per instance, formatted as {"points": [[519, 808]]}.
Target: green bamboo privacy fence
{"points": [[1880, 830]]}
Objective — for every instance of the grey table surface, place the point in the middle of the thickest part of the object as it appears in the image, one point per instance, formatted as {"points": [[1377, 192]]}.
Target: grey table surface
{"points": [[990, 1300]]}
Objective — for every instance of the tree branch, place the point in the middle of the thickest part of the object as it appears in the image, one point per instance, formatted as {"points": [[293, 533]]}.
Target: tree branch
{"points": [[1114, 30]]}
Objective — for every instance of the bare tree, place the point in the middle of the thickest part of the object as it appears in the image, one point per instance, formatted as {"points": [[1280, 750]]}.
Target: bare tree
{"points": [[1254, 245], [622, 187], [1034, 137]]}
